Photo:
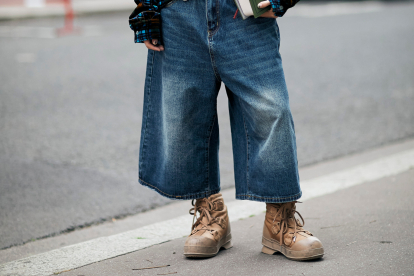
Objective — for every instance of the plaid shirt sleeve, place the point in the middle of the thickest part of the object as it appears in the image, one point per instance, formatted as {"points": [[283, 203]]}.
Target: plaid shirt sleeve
{"points": [[281, 6], [145, 22]]}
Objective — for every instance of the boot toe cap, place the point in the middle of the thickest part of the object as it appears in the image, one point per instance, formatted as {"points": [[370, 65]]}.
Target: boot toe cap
{"points": [[309, 243], [200, 245], [306, 249]]}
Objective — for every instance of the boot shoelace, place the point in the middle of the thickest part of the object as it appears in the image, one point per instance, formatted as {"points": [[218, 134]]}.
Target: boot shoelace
{"points": [[204, 213], [288, 214]]}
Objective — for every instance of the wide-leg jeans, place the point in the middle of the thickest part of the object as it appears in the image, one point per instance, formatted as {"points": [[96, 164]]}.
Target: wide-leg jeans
{"points": [[204, 47]]}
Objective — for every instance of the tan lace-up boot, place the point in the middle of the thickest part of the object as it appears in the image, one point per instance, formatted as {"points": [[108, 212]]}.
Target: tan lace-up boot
{"points": [[284, 233], [211, 230]]}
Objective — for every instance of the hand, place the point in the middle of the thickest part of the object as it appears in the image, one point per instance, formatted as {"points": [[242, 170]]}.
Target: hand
{"points": [[269, 13], [152, 46]]}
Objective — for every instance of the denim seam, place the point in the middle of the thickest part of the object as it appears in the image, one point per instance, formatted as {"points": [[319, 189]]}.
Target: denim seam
{"points": [[247, 146], [183, 197], [210, 46], [149, 109], [213, 63], [208, 150], [269, 199], [218, 19]]}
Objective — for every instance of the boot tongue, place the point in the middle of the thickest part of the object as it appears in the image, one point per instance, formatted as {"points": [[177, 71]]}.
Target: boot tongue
{"points": [[202, 208], [203, 202], [215, 196], [274, 205], [288, 205], [288, 210], [214, 205], [272, 208], [290, 213]]}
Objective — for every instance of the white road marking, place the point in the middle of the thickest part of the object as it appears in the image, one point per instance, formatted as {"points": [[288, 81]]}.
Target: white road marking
{"points": [[95, 250], [334, 9], [27, 32], [46, 32], [380, 168], [92, 30], [35, 3], [26, 58]]}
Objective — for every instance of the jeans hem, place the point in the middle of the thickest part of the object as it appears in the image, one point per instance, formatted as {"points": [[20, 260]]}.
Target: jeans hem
{"points": [[269, 199], [179, 197]]}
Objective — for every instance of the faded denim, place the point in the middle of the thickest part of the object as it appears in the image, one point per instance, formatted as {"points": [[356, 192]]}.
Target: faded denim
{"points": [[179, 146]]}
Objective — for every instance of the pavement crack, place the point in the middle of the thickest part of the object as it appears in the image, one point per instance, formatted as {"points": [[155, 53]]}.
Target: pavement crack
{"points": [[152, 267], [331, 226]]}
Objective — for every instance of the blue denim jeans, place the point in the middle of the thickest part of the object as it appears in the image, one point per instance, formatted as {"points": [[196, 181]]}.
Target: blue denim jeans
{"points": [[179, 146]]}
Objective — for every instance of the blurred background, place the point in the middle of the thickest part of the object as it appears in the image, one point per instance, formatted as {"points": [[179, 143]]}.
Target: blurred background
{"points": [[71, 102]]}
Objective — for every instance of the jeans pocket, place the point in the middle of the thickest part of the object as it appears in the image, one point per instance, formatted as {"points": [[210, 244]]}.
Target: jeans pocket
{"points": [[170, 3]]}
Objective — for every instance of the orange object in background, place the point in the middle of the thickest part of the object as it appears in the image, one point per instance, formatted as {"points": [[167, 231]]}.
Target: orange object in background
{"points": [[68, 29]]}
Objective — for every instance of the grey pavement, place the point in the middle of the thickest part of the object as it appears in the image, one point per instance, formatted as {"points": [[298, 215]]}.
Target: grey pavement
{"points": [[365, 230], [178, 208], [71, 109]]}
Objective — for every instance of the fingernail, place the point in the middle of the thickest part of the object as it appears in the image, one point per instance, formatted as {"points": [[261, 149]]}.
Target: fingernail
{"points": [[154, 42], [259, 5]]}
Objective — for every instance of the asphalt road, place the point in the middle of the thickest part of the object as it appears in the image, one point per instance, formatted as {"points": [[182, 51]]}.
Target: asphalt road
{"points": [[70, 110]]}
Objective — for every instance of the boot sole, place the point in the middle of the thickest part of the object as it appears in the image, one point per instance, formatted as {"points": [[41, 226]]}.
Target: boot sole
{"points": [[272, 246], [196, 252]]}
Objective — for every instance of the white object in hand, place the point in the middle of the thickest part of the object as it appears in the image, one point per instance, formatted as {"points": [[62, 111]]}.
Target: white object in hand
{"points": [[245, 8]]}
